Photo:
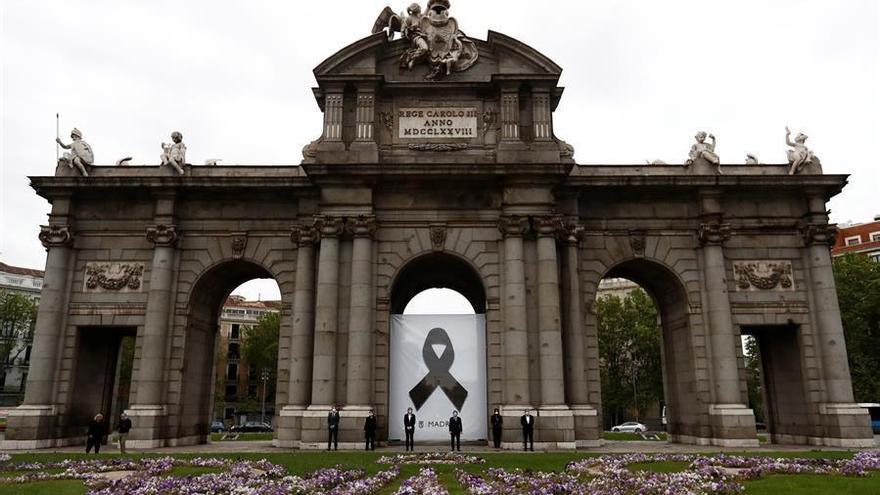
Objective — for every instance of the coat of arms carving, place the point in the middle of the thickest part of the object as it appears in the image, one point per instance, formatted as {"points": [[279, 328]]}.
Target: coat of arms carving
{"points": [[434, 38]]}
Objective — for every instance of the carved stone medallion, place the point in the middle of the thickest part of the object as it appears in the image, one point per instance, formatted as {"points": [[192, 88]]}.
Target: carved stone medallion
{"points": [[114, 277], [763, 275]]}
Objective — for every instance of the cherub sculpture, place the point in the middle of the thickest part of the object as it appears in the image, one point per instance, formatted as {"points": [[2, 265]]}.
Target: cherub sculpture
{"points": [[434, 37], [800, 156], [174, 154], [80, 153], [704, 150]]}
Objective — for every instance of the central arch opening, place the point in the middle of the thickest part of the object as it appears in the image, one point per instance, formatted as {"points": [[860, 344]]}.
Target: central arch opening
{"points": [[438, 349]]}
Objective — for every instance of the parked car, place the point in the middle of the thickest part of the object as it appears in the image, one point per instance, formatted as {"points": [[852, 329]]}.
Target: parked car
{"points": [[218, 427], [630, 426], [252, 427]]}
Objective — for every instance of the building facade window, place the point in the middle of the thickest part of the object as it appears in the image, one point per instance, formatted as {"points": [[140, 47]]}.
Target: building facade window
{"points": [[235, 331], [231, 393], [232, 372], [234, 351], [875, 236], [853, 241]]}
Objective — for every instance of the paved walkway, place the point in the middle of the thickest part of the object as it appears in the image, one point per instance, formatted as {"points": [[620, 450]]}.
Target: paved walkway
{"points": [[610, 447]]}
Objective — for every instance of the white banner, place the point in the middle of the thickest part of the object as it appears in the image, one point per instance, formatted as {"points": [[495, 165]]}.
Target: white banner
{"points": [[438, 365]]}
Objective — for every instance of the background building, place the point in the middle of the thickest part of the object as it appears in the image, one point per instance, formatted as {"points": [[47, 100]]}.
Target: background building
{"points": [[862, 238], [238, 385], [15, 343]]}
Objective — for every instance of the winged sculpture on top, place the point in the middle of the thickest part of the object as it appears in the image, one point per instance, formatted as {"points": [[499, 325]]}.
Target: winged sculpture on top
{"points": [[434, 38]]}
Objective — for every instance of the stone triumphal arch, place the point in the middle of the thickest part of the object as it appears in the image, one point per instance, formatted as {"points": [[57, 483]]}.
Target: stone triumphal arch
{"points": [[439, 166]]}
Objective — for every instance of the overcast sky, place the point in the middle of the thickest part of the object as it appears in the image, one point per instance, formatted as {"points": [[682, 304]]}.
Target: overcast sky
{"points": [[234, 77]]}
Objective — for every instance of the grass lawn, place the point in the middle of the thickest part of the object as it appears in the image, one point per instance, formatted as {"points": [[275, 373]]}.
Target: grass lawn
{"points": [[306, 462]]}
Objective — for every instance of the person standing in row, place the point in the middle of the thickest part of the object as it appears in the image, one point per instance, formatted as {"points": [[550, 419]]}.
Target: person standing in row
{"points": [[455, 431], [409, 428], [528, 428], [497, 427], [333, 428], [122, 430], [370, 432], [95, 434]]}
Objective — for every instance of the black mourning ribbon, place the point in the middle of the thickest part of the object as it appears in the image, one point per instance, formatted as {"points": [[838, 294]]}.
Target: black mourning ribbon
{"points": [[438, 372]]}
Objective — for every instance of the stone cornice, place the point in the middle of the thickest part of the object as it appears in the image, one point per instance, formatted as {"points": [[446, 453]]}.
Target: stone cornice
{"points": [[55, 236], [162, 235]]}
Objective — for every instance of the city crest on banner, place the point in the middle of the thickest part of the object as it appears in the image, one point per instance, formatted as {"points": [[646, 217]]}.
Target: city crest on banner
{"points": [[438, 365]]}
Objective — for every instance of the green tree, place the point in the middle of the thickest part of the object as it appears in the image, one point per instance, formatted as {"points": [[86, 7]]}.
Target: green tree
{"points": [[18, 317], [629, 351], [754, 383], [260, 350], [858, 290]]}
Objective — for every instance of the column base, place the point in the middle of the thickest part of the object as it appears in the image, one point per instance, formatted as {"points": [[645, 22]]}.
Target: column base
{"points": [[587, 428], [32, 427], [288, 427], [733, 425], [846, 425], [148, 422]]}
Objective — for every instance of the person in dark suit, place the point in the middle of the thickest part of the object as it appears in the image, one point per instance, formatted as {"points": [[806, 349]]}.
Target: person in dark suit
{"points": [[409, 428], [528, 428], [95, 434], [333, 429], [497, 427], [455, 431], [370, 431]]}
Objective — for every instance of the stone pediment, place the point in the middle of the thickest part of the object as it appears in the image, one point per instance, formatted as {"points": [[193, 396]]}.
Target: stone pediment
{"points": [[499, 56]]}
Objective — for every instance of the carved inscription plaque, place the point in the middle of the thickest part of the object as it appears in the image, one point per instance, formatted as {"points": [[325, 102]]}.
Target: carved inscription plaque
{"points": [[437, 122]]}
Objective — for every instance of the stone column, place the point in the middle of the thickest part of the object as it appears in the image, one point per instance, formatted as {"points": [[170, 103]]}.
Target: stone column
{"points": [[733, 424], [573, 333], [57, 240], [302, 340], [549, 325], [151, 373], [32, 425], [360, 326], [326, 307], [844, 423], [515, 337]]}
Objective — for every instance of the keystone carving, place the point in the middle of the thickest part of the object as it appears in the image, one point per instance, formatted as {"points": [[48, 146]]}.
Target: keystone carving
{"points": [[438, 237], [819, 233], [637, 242], [162, 235], [116, 277], [763, 275], [714, 233], [363, 226], [513, 225], [239, 243], [55, 236]]}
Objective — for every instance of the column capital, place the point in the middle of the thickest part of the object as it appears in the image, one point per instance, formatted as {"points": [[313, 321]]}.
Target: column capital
{"points": [[571, 233], [513, 225], [55, 235], [329, 226], [714, 233], [303, 235], [548, 225], [362, 226], [819, 233], [162, 235]]}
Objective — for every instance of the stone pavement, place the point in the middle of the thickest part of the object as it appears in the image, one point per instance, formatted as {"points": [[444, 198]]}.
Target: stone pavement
{"points": [[610, 447]]}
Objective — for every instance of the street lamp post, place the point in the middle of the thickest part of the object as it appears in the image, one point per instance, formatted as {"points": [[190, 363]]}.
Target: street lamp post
{"points": [[265, 377]]}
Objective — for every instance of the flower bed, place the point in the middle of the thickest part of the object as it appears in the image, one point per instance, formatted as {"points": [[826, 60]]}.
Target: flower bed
{"points": [[431, 458], [424, 483]]}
